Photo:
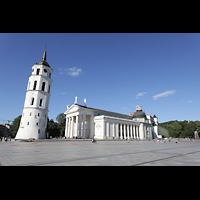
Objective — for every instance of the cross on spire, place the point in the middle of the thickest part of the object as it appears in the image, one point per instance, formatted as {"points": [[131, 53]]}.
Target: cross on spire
{"points": [[45, 54]]}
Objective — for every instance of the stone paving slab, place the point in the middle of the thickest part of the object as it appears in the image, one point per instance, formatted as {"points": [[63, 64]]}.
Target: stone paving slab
{"points": [[111, 153]]}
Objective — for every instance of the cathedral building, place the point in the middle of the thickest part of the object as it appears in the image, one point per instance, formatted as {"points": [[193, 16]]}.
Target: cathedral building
{"points": [[86, 122]]}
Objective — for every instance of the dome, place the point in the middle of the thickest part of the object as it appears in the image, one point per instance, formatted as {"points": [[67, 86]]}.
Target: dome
{"points": [[139, 114], [43, 61]]}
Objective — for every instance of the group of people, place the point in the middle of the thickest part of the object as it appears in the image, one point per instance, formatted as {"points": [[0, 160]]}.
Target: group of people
{"points": [[5, 139]]}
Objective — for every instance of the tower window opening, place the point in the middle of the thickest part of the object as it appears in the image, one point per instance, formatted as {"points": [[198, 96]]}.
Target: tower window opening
{"points": [[32, 102], [43, 86], [38, 71], [35, 84], [28, 123], [38, 130], [45, 70], [37, 124], [40, 102]]}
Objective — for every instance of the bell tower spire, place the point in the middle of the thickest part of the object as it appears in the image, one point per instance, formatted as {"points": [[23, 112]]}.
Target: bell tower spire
{"points": [[45, 53]]}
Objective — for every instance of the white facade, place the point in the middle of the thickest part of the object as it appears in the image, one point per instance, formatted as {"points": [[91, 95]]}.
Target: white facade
{"points": [[86, 122], [35, 112], [154, 123]]}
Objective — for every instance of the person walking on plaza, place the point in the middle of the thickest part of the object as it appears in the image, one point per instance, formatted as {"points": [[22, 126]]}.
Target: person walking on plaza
{"points": [[196, 136]]}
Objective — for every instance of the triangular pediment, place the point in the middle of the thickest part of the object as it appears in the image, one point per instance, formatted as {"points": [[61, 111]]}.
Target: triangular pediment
{"points": [[72, 108]]}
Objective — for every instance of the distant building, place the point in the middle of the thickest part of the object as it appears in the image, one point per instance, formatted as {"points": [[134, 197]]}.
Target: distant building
{"points": [[4, 130], [131, 113], [87, 122]]}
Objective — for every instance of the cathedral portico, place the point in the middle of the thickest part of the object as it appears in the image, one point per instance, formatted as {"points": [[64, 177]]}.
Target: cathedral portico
{"points": [[78, 122]]}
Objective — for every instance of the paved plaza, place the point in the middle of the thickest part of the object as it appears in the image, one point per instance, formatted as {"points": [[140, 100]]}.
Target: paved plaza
{"points": [[113, 153]]}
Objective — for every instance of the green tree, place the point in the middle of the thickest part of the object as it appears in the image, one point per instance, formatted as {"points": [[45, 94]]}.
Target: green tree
{"points": [[175, 129], [15, 126], [53, 128], [61, 118], [182, 129]]}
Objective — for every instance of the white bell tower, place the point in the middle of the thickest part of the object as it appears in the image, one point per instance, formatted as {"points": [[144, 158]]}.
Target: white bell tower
{"points": [[35, 112]]}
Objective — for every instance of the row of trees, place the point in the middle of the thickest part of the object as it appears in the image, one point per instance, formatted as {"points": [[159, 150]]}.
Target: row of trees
{"points": [[55, 129], [181, 129]]}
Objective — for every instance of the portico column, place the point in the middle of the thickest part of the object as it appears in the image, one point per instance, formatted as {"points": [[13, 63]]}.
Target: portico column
{"points": [[80, 119], [138, 131], [114, 127], [137, 134], [91, 126], [121, 131], [134, 132], [76, 134], [117, 131], [83, 133], [142, 131], [128, 130], [131, 130], [66, 127], [124, 131], [107, 129], [69, 125], [72, 127]]}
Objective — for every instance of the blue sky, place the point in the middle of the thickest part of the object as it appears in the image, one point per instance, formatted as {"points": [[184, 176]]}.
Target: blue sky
{"points": [[113, 71]]}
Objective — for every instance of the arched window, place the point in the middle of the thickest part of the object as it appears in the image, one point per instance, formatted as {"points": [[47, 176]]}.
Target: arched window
{"points": [[40, 102], [32, 101], [43, 86], [38, 72], [35, 84]]}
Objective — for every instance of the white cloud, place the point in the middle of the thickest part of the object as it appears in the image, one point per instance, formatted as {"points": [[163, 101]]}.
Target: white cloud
{"points": [[73, 71], [190, 101], [124, 108], [164, 94], [140, 94]]}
